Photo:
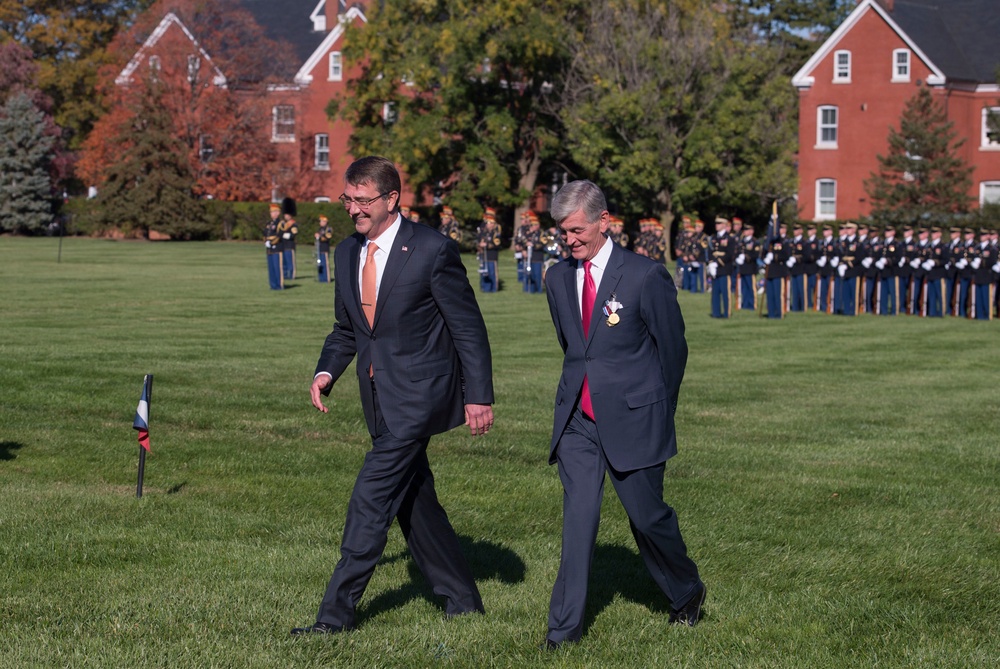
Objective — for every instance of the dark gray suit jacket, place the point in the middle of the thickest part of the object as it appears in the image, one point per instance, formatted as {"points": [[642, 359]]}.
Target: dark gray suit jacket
{"points": [[428, 345], [634, 368]]}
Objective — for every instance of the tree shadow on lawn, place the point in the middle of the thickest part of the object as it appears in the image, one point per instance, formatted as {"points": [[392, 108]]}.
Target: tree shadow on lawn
{"points": [[7, 449], [486, 559]]}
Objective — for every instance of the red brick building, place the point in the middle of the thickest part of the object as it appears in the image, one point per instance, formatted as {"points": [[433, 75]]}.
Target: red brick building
{"points": [[855, 87], [312, 149]]}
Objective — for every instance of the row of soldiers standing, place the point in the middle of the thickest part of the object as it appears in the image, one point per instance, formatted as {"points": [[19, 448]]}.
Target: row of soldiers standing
{"points": [[864, 269]]}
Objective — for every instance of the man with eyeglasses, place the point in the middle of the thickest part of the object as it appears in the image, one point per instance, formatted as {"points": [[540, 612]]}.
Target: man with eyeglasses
{"points": [[405, 311]]}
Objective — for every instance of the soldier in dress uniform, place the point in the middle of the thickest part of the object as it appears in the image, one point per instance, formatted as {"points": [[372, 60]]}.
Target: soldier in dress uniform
{"points": [[986, 271], [863, 260], [657, 245], [534, 241], [796, 270], [905, 270], [747, 254], [722, 254], [776, 272], [828, 250], [961, 259], [272, 247], [519, 244], [323, 236], [289, 229], [680, 243], [934, 265], [887, 265], [698, 255], [735, 231], [918, 272], [954, 247], [488, 245], [849, 269], [616, 232]]}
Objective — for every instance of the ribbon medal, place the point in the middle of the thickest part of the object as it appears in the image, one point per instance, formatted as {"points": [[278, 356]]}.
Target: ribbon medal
{"points": [[610, 310]]}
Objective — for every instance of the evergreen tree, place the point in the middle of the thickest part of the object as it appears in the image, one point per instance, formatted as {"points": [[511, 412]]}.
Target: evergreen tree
{"points": [[922, 173], [25, 155], [151, 185]]}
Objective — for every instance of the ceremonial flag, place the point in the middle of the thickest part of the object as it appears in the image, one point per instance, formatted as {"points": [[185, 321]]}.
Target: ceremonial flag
{"points": [[141, 422]]}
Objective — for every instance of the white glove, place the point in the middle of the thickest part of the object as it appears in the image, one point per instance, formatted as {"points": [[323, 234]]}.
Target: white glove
{"points": [[267, 244], [976, 262], [996, 267], [287, 235], [915, 263], [695, 263], [880, 263], [790, 262], [867, 262], [741, 258], [842, 270], [822, 261], [518, 255], [768, 258], [834, 261], [928, 265], [962, 263], [713, 268], [902, 261]]}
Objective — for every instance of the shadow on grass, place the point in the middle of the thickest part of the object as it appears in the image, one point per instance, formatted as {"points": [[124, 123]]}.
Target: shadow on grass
{"points": [[488, 561], [7, 449], [619, 572]]}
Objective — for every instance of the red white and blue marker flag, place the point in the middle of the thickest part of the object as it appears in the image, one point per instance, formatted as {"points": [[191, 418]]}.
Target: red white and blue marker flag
{"points": [[141, 422]]}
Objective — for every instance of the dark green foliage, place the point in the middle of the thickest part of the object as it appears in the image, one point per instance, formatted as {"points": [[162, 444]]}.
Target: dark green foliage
{"points": [[25, 186], [921, 177]]}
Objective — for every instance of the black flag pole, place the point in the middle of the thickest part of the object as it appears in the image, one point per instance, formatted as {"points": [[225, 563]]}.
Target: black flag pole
{"points": [[141, 423]]}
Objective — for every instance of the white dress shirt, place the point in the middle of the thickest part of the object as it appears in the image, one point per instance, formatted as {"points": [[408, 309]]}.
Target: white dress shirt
{"points": [[598, 264], [384, 242]]}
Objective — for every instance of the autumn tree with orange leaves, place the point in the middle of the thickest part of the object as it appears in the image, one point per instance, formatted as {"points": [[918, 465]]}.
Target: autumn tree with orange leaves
{"points": [[209, 70]]}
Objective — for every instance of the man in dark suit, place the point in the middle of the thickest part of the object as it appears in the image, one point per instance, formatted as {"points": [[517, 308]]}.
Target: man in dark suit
{"points": [[404, 308], [617, 319]]}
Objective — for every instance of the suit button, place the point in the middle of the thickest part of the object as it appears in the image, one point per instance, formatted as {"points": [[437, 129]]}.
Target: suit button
{"points": [[589, 358], [373, 337]]}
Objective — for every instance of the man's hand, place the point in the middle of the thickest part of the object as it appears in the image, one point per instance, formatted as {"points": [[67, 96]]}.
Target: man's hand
{"points": [[479, 417], [320, 383]]}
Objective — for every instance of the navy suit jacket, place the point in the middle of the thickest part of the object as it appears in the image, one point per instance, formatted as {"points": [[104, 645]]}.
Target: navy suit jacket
{"points": [[428, 344], [634, 368]]}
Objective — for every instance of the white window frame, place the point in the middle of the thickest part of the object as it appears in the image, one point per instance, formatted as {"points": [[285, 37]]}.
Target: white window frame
{"points": [[282, 116], [983, 186], [898, 76], [321, 155], [820, 201], [984, 136], [821, 126], [193, 65], [205, 149], [154, 64], [336, 69], [389, 113], [841, 72]]}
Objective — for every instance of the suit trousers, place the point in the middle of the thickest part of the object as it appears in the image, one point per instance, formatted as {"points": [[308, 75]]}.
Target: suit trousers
{"points": [[582, 465], [395, 481]]}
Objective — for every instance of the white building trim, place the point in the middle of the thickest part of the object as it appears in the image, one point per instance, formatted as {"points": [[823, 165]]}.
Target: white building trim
{"points": [[304, 76], [170, 19]]}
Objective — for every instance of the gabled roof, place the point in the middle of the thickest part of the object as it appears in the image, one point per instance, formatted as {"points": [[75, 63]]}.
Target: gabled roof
{"points": [[956, 39], [169, 20], [290, 21], [962, 37], [346, 18]]}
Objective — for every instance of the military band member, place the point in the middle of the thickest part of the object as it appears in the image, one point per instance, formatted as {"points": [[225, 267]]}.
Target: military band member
{"points": [[736, 232], [796, 270], [657, 248], [272, 247], [323, 236], [518, 243], [888, 273], [748, 252], [776, 272], [722, 256], [404, 211], [684, 231], [488, 246], [535, 241], [289, 229], [697, 257], [826, 251]]}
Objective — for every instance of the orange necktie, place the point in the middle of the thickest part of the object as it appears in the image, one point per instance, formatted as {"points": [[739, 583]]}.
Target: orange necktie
{"points": [[368, 290]]}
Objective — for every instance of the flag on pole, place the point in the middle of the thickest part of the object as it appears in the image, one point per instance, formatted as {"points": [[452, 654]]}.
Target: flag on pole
{"points": [[141, 422]]}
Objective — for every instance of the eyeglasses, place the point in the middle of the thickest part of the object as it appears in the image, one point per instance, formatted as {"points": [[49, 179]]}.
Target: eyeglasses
{"points": [[361, 203]]}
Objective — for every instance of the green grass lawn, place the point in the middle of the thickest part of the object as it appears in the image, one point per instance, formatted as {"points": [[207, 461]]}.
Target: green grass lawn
{"points": [[837, 483]]}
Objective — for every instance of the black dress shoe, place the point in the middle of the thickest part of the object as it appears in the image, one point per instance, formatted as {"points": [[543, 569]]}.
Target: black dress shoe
{"points": [[318, 628], [549, 644], [690, 613]]}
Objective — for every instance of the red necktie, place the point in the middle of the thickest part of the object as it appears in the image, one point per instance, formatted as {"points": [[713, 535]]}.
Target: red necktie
{"points": [[368, 289], [589, 295]]}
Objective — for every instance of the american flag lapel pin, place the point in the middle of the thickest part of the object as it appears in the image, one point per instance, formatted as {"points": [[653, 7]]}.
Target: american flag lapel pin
{"points": [[405, 249]]}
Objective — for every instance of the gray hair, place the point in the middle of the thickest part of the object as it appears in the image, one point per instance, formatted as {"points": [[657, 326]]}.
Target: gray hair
{"points": [[577, 195]]}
